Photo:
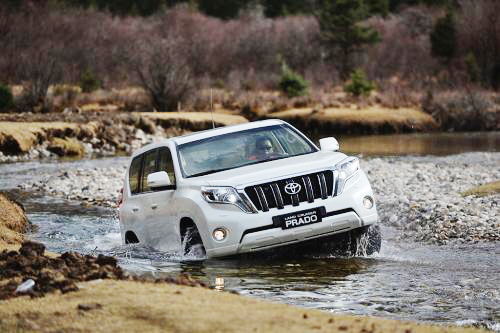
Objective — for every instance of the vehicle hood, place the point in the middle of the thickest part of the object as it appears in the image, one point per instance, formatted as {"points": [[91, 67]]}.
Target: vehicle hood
{"points": [[273, 170]]}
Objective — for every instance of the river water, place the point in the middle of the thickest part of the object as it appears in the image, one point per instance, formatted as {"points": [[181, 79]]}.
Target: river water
{"points": [[407, 281]]}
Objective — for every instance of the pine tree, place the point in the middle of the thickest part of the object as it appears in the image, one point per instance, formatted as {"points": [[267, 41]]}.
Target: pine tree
{"points": [[378, 7], [148, 7], [342, 33], [444, 38], [224, 9], [273, 8]]}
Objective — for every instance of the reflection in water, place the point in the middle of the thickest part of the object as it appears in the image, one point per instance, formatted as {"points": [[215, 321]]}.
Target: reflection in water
{"points": [[219, 283], [420, 143]]}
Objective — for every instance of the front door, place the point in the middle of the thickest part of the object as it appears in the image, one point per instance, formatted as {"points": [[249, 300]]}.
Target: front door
{"points": [[160, 213]]}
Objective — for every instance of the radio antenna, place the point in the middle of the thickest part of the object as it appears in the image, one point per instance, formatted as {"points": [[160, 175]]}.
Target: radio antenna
{"points": [[212, 107]]}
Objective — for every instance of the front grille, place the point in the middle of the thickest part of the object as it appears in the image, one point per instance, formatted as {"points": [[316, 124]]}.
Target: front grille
{"points": [[319, 185]]}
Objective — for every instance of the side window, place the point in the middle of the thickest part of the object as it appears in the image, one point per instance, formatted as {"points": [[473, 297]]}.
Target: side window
{"points": [[133, 174], [165, 163], [148, 168]]}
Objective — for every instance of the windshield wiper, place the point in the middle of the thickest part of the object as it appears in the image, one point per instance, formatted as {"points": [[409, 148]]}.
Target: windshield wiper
{"points": [[210, 171]]}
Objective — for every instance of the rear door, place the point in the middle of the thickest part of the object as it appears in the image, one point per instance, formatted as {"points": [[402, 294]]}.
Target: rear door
{"points": [[131, 209]]}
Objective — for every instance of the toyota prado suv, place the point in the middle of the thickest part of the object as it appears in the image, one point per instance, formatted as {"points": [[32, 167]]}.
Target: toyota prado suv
{"points": [[246, 188]]}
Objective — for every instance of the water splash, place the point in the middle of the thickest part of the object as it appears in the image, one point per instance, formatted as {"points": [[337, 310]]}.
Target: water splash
{"points": [[195, 251], [362, 245]]}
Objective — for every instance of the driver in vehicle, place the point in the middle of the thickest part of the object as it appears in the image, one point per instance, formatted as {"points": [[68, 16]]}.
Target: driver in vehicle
{"points": [[263, 149]]}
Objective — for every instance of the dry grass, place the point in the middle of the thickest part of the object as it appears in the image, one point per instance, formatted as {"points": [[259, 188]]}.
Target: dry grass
{"points": [[13, 223], [146, 307], [374, 119], [484, 190], [26, 135], [66, 147], [20, 137], [193, 121], [223, 118]]}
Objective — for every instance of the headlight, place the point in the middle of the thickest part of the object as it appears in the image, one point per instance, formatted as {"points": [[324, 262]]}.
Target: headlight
{"points": [[346, 169], [226, 195]]}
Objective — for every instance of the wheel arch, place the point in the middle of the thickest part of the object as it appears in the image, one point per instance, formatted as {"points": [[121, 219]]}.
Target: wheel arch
{"points": [[131, 237]]}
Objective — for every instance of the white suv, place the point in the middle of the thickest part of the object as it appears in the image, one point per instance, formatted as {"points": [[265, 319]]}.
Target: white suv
{"points": [[245, 188]]}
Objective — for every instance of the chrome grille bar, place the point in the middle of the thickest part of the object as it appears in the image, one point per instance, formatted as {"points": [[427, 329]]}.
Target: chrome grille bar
{"points": [[335, 182], [309, 183], [262, 199], [310, 195], [324, 188], [321, 189], [277, 196]]}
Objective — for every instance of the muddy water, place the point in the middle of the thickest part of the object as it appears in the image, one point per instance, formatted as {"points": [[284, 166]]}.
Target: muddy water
{"points": [[409, 281]]}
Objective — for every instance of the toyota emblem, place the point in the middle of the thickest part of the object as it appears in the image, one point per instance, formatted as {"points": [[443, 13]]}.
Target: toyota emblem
{"points": [[292, 188]]}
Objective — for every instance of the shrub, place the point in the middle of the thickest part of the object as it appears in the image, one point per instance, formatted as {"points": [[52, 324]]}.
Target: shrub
{"points": [[473, 70], [163, 72], [6, 98], [467, 110], [61, 96], [89, 82], [359, 84], [292, 83]]}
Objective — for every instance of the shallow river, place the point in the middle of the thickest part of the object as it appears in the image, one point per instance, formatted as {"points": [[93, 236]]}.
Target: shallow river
{"points": [[409, 281]]}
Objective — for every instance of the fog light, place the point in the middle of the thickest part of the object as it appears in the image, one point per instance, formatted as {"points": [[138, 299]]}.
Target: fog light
{"points": [[219, 234], [368, 202]]}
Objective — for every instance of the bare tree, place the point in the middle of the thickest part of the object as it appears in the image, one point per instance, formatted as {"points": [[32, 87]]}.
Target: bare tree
{"points": [[163, 72], [479, 34], [40, 69]]}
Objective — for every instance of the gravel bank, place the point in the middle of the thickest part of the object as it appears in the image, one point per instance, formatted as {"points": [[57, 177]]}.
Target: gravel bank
{"points": [[421, 196], [418, 195]]}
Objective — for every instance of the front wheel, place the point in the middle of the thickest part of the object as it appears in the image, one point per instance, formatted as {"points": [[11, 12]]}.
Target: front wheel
{"points": [[192, 245]]}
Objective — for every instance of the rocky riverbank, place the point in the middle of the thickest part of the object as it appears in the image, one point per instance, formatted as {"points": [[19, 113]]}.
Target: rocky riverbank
{"points": [[26, 136], [422, 196], [13, 222]]}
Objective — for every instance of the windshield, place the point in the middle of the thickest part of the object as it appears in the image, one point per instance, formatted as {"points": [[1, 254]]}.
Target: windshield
{"points": [[242, 148]]}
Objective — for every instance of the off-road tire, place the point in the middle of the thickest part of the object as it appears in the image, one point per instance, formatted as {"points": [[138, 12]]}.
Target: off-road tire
{"points": [[194, 241]]}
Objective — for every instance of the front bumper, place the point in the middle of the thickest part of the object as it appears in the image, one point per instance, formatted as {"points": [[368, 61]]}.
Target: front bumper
{"points": [[255, 232]]}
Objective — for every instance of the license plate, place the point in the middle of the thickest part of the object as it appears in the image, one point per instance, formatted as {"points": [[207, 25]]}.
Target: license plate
{"points": [[298, 219]]}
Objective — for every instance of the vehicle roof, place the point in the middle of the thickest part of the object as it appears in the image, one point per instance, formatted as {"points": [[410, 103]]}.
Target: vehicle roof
{"points": [[210, 133], [225, 130]]}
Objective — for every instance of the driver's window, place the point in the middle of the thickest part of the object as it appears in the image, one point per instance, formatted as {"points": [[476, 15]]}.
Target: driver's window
{"points": [[165, 163], [263, 145]]}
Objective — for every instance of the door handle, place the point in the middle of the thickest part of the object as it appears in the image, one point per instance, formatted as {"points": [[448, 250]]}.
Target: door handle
{"points": [[154, 206], [135, 210]]}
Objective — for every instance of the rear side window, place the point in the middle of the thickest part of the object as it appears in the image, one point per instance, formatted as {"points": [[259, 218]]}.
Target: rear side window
{"points": [[166, 164], [148, 168], [133, 174]]}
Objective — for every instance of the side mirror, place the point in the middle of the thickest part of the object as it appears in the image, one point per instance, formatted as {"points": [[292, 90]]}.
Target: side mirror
{"points": [[329, 144], [158, 179]]}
